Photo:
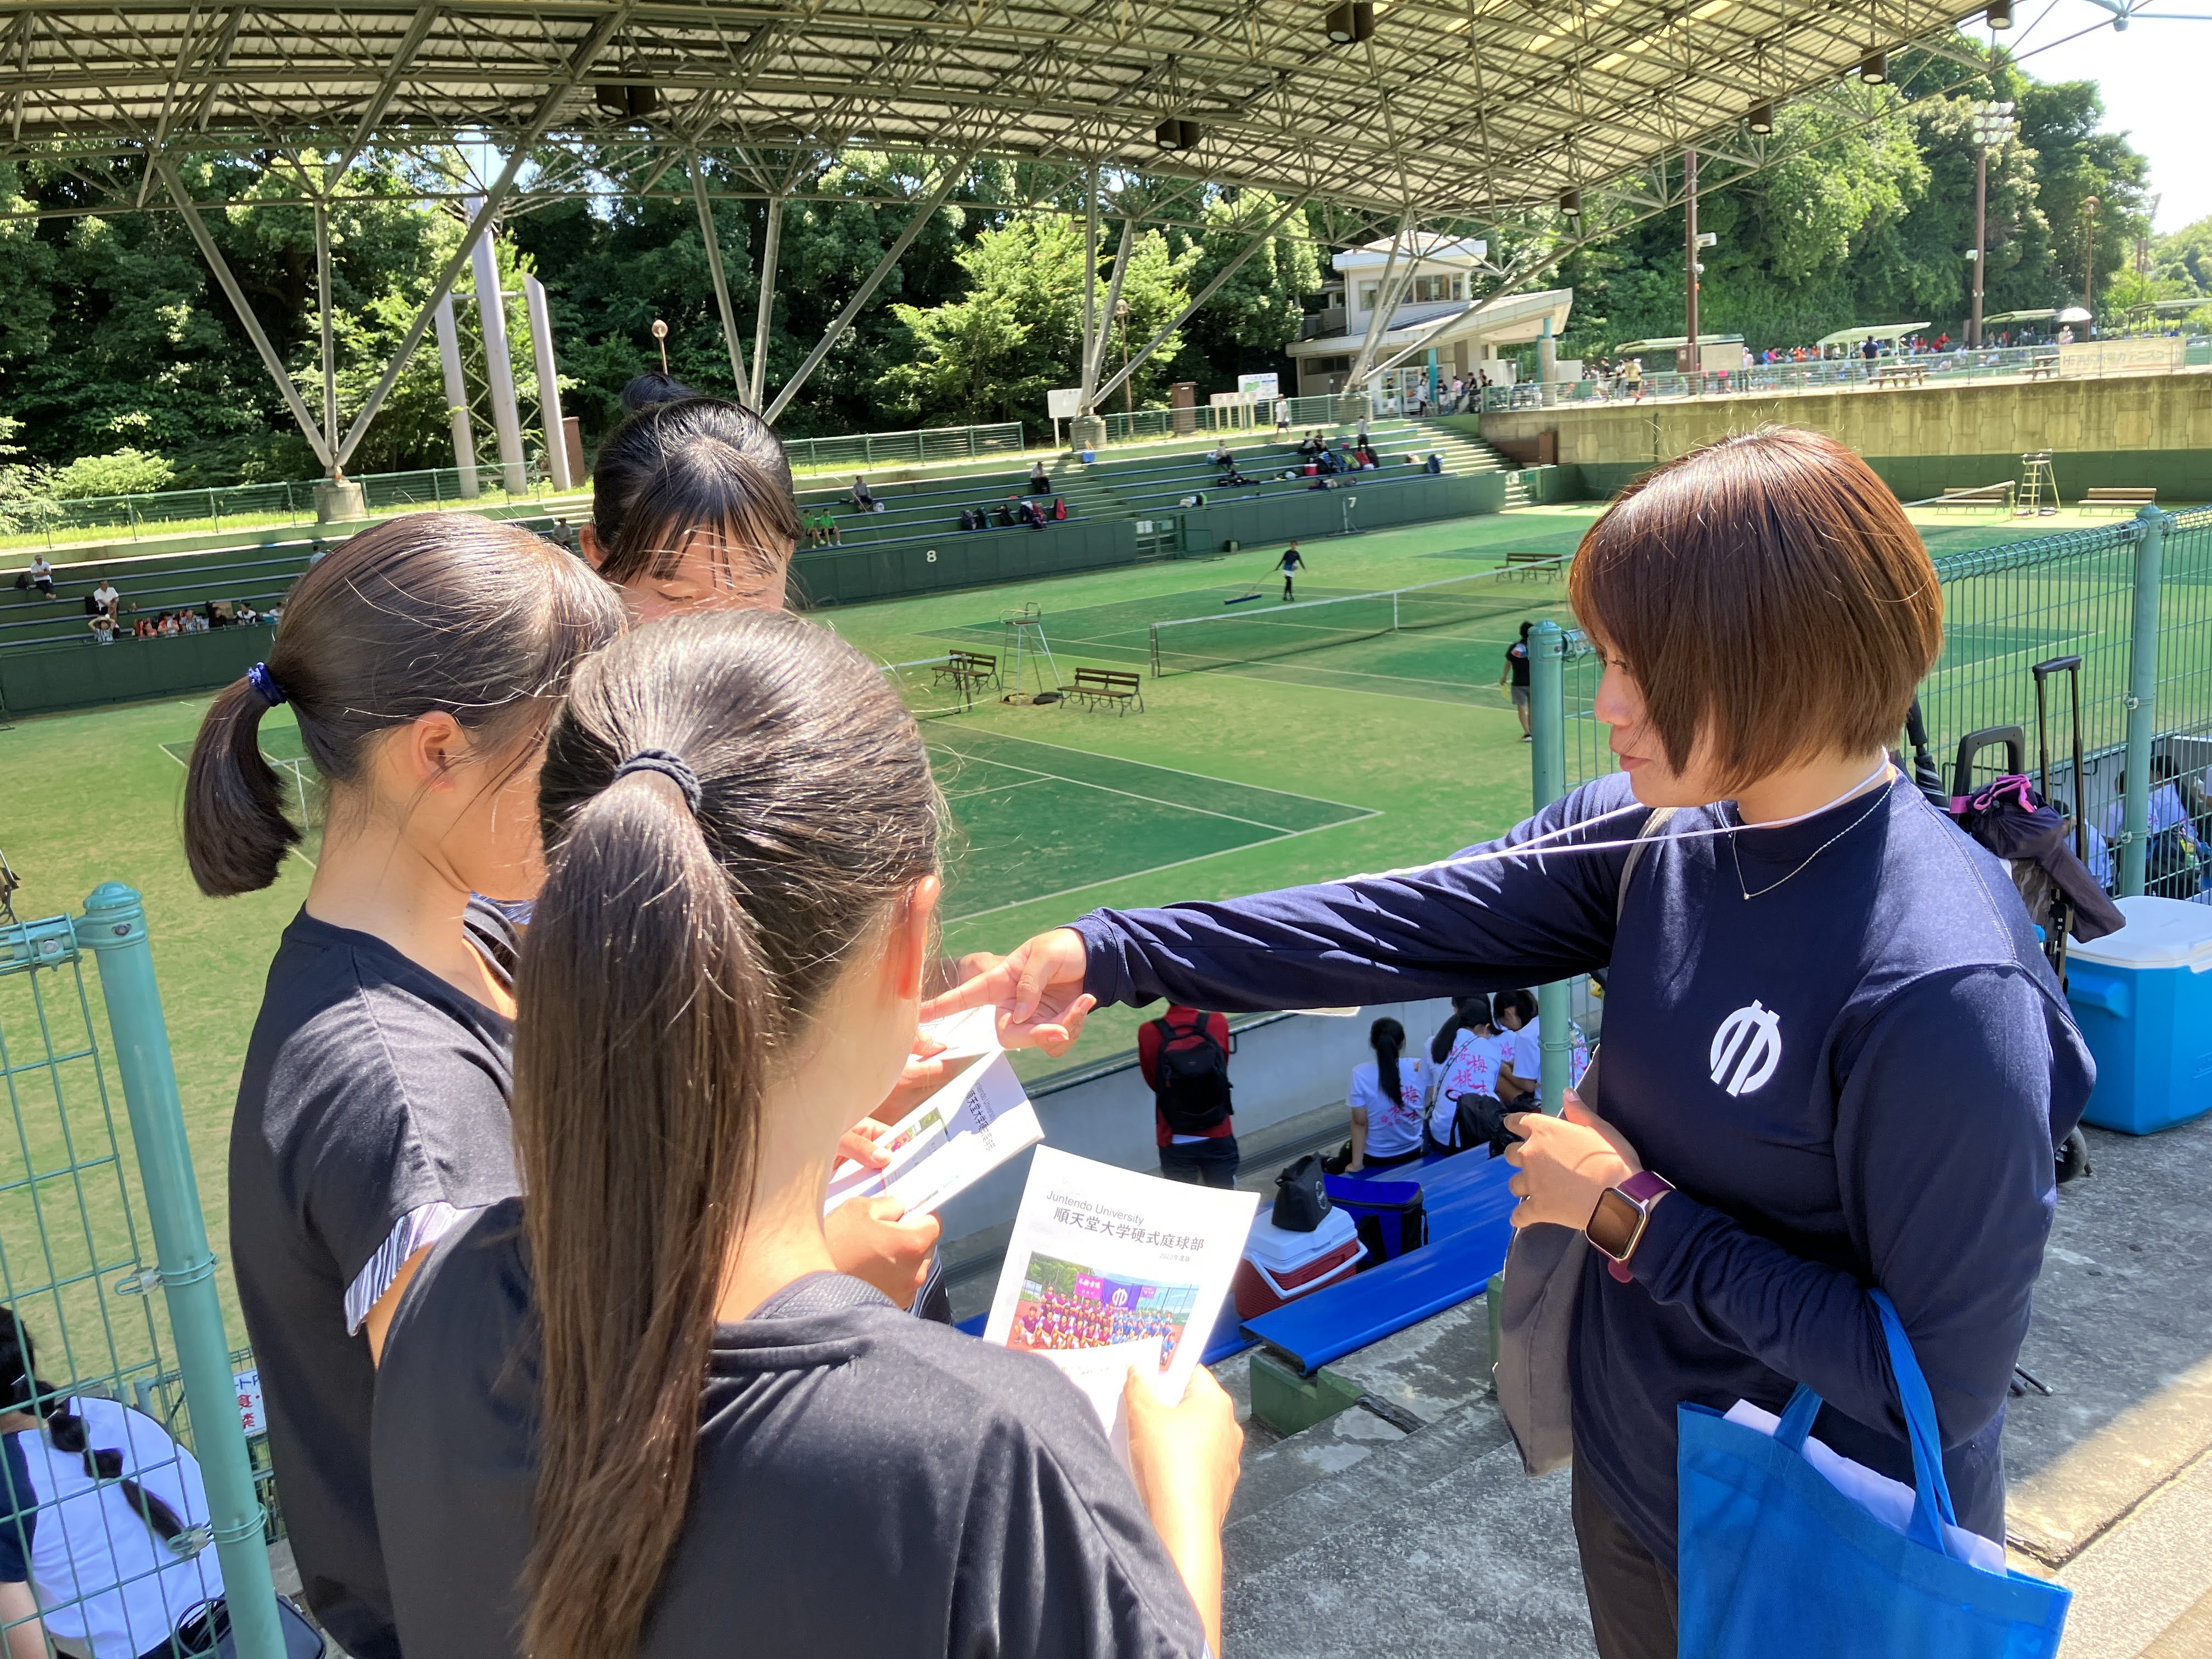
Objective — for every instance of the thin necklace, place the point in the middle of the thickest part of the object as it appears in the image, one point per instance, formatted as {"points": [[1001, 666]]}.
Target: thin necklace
{"points": [[1881, 795]]}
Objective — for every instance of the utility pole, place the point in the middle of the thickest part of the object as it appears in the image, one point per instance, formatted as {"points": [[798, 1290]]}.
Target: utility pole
{"points": [[2089, 276], [1690, 256], [1992, 125]]}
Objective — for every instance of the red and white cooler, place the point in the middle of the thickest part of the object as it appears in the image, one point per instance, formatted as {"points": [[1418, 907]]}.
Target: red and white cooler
{"points": [[1280, 1265]]}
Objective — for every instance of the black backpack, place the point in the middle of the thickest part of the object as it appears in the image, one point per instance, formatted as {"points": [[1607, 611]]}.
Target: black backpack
{"points": [[1193, 1080], [1301, 1195]]}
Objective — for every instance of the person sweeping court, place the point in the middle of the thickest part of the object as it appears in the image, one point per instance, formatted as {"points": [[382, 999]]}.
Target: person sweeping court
{"points": [[1289, 564], [1835, 1061]]}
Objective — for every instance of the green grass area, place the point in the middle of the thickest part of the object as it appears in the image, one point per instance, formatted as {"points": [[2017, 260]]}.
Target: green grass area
{"points": [[1378, 753]]}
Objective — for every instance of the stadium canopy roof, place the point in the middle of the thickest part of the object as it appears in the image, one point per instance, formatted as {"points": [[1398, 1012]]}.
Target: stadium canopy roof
{"points": [[1450, 107], [1851, 337], [1426, 117]]}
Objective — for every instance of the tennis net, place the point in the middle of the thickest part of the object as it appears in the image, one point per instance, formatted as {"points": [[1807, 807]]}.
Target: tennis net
{"points": [[1188, 644]]}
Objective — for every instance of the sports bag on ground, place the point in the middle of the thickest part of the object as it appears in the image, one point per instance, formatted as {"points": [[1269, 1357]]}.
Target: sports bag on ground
{"points": [[1194, 1078]]}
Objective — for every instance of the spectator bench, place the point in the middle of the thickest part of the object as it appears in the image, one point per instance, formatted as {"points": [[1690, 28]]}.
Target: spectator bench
{"points": [[2120, 499], [1996, 495], [1468, 1210], [1118, 689], [967, 670]]}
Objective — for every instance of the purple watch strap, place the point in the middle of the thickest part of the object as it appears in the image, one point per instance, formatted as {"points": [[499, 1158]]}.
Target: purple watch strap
{"points": [[1642, 1187]]}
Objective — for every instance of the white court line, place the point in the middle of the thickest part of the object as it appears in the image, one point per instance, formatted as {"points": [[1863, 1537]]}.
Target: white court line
{"points": [[999, 788], [1151, 800], [1204, 777], [187, 765], [1105, 881]]}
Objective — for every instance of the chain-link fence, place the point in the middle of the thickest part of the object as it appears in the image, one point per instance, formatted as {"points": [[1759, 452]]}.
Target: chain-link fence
{"points": [[2124, 611], [124, 1514]]}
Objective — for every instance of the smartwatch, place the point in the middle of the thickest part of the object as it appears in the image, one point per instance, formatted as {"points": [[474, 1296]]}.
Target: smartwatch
{"points": [[1616, 1226]]}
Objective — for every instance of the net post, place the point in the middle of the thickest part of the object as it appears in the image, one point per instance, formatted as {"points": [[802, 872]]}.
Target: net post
{"points": [[2143, 695], [1154, 631], [1547, 756], [114, 927]]}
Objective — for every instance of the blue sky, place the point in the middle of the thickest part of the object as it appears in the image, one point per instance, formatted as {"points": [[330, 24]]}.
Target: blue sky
{"points": [[2152, 75]]}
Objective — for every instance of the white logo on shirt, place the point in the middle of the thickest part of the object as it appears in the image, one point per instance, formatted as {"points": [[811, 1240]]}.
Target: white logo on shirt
{"points": [[1746, 1048]]}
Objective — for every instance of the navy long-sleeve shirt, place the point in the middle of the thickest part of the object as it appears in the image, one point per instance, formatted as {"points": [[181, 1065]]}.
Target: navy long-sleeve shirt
{"points": [[1853, 1077]]}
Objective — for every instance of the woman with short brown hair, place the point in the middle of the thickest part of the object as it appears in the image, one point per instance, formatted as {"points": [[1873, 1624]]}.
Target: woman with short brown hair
{"points": [[1835, 1058]]}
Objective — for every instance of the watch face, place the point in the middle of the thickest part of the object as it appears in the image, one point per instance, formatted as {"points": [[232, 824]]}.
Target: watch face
{"points": [[1614, 1224]]}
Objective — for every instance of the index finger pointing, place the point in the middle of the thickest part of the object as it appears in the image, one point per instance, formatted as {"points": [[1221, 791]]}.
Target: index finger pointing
{"points": [[986, 987]]}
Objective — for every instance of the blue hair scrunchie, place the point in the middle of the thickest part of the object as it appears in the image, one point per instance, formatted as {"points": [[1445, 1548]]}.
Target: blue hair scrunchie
{"points": [[264, 683], [671, 767]]}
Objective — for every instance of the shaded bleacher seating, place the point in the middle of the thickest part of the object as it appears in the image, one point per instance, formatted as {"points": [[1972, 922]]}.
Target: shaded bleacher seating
{"points": [[912, 509]]}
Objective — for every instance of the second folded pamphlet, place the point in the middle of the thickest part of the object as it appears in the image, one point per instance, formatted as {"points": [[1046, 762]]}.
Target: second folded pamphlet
{"points": [[1108, 1268]]}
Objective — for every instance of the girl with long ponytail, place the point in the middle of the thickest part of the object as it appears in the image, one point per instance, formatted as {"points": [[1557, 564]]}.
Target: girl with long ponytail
{"points": [[638, 1412], [1387, 1094], [102, 1517], [421, 660]]}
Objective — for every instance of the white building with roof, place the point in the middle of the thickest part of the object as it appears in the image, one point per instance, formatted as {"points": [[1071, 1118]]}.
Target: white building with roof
{"points": [[1441, 308]]}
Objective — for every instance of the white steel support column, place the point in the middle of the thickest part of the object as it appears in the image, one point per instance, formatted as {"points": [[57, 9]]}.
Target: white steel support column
{"points": [[1258, 241], [771, 245], [1095, 364], [739, 382], [247, 320], [499, 365], [457, 397], [955, 171], [548, 383], [329, 341]]}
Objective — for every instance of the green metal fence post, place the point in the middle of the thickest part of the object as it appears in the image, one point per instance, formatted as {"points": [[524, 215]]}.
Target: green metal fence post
{"points": [[114, 926], [2142, 695], [1547, 724]]}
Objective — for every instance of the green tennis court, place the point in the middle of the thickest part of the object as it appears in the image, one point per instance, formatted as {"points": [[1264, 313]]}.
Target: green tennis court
{"points": [[1038, 820]]}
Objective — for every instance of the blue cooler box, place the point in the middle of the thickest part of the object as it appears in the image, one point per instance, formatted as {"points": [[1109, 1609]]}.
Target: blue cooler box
{"points": [[2143, 999]]}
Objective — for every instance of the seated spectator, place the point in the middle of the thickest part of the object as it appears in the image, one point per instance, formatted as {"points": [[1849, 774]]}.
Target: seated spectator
{"points": [[1386, 1095], [219, 614], [168, 627], [246, 614], [863, 500], [98, 1508], [42, 574], [1467, 1113], [831, 533], [144, 628], [1040, 481], [106, 597], [1220, 454], [1224, 459], [103, 628], [1520, 1073]]}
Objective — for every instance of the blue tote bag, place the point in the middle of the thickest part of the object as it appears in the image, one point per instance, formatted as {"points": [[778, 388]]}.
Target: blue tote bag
{"points": [[1775, 1560]]}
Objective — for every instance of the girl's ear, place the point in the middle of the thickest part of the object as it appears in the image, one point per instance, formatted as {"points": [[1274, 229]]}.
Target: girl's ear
{"points": [[588, 542], [911, 946], [424, 750]]}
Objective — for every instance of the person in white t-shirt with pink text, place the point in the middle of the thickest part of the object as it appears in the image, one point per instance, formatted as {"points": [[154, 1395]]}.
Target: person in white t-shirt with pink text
{"points": [[1469, 1071], [1386, 1095], [1522, 1068]]}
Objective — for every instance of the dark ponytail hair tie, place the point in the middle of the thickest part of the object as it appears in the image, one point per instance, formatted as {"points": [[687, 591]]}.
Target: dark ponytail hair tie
{"points": [[671, 767], [264, 683]]}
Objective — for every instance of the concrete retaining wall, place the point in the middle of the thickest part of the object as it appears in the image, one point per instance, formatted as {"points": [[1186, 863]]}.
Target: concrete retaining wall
{"points": [[2139, 430]]}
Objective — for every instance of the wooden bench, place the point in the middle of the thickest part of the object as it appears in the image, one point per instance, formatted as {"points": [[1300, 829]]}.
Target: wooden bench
{"points": [[968, 670], [1118, 689], [1532, 565], [2040, 368], [1996, 494], [2121, 499], [1901, 374]]}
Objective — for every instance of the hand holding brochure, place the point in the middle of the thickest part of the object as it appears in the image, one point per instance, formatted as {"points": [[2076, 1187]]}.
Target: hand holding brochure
{"points": [[975, 1122], [1107, 1266]]}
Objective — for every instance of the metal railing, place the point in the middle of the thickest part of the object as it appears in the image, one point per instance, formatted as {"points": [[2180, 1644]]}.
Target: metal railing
{"points": [[2132, 600], [2083, 360], [74, 1270], [49, 521]]}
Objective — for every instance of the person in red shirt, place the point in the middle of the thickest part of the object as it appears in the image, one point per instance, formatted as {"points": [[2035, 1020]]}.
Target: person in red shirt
{"points": [[1185, 1058]]}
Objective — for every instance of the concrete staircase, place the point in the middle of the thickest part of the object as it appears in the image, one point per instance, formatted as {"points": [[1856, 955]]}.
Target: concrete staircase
{"points": [[1463, 453], [1087, 492]]}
